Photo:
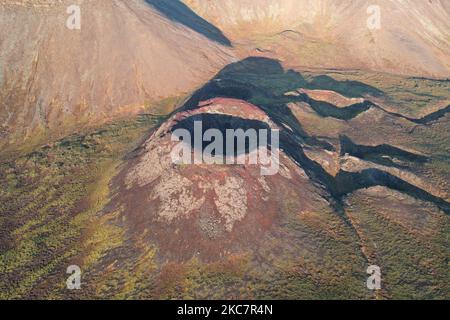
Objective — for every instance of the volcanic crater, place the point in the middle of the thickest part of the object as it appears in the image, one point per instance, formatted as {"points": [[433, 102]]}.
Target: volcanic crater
{"points": [[211, 210], [205, 210]]}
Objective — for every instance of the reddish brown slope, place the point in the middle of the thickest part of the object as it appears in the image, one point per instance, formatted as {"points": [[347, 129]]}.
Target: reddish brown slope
{"points": [[126, 53], [413, 39]]}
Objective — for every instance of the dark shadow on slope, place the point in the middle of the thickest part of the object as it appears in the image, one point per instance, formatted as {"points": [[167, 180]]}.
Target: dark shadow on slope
{"points": [[429, 118], [326, 109], [263, 82], [434, 116], [283, 117], [220, 88], [381, 154], [255, 66], [349, 88], [348, 182], [177, 11]]}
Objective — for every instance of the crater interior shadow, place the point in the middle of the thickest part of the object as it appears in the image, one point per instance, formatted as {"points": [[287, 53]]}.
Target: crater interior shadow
{"points": [[252, 140], [263, 82]]}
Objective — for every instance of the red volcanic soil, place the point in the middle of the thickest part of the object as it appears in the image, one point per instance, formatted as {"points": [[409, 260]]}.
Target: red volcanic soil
{"points": [[126, 55], [205, 211]]}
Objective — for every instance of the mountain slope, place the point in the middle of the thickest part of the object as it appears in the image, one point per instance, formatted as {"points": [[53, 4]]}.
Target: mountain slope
{"points": [[358, 185], [413, 39], [125, 54]]}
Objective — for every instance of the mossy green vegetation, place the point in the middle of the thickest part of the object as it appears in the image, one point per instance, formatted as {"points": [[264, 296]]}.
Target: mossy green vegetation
{"points": [[49, 199], [52, 199], [414, 97], [414, 262]]}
